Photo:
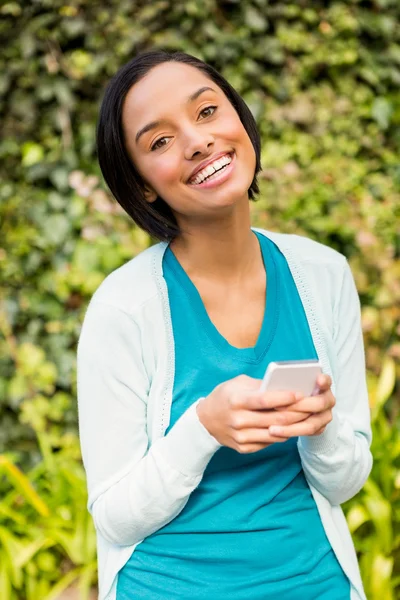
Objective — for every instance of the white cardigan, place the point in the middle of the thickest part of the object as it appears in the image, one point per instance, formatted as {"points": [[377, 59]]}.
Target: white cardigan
{"points": [[140, 479]]}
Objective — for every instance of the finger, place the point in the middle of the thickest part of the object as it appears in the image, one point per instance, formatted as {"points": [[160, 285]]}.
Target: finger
{"points": [[320, 430], [307, 427], [268, 400], [250, 448], [246, 382], [255, 436], [264, 419], [324, 382], [314, 404]]}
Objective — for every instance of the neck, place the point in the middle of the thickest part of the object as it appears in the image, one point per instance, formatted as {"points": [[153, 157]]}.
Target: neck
{"points": [[226, 250]]}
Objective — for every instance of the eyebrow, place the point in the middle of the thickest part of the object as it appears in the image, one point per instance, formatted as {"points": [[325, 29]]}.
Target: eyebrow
{"points": [[154, 124]]}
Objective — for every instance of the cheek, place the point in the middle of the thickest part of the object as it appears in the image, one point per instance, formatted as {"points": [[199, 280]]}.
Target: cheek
{"points": [[164, 170], [235, 131], [230, 127]]}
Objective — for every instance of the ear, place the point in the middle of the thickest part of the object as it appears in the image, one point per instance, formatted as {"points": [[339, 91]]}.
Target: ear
{"points": [[150, 194]]}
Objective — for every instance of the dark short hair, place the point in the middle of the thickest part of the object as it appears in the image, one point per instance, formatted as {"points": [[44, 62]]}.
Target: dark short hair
{"points": [[116, 165]]}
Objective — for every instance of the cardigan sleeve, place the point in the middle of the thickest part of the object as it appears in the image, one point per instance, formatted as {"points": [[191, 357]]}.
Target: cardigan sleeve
{"points": [[338, 462], [134, 489]]}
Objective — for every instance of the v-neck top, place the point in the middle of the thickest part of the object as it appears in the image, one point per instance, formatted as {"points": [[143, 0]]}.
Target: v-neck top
{"points": [[251, 529], [252, 354]]}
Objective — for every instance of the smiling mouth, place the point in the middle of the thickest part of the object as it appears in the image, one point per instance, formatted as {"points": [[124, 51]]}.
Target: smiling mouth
{"points": [[219, 171]]}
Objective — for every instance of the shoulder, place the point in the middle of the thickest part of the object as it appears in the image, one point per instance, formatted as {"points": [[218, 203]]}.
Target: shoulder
{"points": [[134, 283], [315, 267], [304, 249]]}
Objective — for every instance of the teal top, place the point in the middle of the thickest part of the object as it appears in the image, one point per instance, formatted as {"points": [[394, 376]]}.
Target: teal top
{"points": [[251, 529]]}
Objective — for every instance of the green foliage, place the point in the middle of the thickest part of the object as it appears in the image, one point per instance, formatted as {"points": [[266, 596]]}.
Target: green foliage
{"points": [[47, 539], [322, 79], [373, 515]]}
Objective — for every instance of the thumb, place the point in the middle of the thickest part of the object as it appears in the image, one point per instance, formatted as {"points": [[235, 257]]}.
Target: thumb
{"points": [[248, 383]]}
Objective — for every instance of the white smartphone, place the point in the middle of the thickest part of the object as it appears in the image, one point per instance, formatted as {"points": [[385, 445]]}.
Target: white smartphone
{"points": [[292, 376]]}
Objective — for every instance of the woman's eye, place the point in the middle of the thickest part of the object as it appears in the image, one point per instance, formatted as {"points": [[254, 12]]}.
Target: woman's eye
{"points": [[208, 108], [156, 145]]}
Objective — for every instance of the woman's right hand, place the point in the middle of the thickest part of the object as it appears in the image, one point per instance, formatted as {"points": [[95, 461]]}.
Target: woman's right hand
{"points": [[238, 415]]}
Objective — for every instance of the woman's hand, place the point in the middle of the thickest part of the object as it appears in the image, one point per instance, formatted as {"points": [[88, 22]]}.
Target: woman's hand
{"points": [[239, 416], [318, 410]]}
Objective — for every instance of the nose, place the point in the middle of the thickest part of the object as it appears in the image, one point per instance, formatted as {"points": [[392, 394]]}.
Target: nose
{"points": [[198, 143]]}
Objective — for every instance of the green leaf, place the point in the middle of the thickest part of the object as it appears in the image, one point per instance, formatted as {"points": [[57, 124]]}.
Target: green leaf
{"points": [[62, 585], [382, 111], [382, 567], [30, 549], [56, 228], [356, 517], [255, 20], [22, 484], [31, 154], [386, 381], [5, 580], [12, 547], [380, 512]]}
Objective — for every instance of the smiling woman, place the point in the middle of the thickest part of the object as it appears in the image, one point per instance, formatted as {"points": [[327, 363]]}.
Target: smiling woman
{"points": [[163, 116], [190, 128], [201, 485]]}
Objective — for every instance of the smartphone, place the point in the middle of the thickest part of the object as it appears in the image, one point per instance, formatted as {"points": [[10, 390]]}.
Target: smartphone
{"points": [[293, 376]]}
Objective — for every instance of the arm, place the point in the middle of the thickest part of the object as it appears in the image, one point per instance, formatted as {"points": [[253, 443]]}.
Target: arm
{"points": [[338, 462], [134, 490]]}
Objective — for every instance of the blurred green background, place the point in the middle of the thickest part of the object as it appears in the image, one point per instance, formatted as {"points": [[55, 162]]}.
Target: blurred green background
{"points": [[322, 79]]}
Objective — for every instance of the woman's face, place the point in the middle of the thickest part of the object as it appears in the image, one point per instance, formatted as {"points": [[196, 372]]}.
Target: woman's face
{"points": [[188, 132]]}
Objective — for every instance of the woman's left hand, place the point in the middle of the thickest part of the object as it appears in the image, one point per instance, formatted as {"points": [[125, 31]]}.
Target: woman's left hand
{"points": [[318, 407]]}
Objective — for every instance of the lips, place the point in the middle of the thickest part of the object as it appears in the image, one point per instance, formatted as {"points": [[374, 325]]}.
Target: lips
{"points": [[207, 162]]}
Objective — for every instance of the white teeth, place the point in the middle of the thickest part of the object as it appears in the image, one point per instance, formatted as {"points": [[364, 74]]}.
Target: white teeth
{"points": [[210, 169]]}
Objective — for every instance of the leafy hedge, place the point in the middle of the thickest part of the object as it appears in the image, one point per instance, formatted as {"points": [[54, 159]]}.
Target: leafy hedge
{"points": [[322, 79]]}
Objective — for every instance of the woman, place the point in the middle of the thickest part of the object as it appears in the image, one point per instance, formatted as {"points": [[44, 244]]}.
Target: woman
{"points": [[201, 486]]}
